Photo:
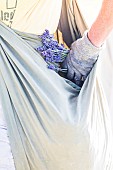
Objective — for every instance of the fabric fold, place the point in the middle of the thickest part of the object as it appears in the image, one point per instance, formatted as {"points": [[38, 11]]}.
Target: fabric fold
{"points": [[51, 125]]}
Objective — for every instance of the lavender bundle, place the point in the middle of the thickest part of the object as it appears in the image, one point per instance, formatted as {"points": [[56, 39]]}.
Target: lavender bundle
{"points": [[52, 52]]}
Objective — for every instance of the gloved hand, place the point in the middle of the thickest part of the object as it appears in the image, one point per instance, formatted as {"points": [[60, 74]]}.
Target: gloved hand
{"points": [[81, 59]]}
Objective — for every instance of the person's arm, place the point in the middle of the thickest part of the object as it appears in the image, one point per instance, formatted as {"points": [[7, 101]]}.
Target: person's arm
{"points": [[103, 24], [85, 51]]}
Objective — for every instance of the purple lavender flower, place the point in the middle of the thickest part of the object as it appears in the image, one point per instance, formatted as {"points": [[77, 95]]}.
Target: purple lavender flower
{"points": [[47, 32], [40, 49], [52, 52], [52, 67], [53, 43], [49, 59], [44, 53], [44, 48], [57, 59], [60, 47]]}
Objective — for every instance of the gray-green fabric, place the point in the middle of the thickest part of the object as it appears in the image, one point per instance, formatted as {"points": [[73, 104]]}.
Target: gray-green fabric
{"points": [[51, 125]]}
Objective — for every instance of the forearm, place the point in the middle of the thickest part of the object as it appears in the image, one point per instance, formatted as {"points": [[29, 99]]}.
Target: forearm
{"points": [[103, 24]]}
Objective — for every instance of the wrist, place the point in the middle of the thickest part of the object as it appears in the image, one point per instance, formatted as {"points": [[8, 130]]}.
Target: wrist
{"points": [[95, 38], [99, 32]]}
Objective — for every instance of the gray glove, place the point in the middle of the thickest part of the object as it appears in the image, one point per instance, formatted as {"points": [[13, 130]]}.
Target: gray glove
{"points": [[80, 60]]}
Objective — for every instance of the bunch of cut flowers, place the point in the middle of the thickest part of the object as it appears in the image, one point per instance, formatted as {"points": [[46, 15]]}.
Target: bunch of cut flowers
{"points": [[52, 52]]}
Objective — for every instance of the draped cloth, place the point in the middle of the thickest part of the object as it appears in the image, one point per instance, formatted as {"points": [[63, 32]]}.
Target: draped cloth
{"points": [[51, 123]]}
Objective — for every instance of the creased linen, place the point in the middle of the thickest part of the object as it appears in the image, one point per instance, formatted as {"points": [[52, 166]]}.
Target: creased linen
{"points": [[51, 125]]}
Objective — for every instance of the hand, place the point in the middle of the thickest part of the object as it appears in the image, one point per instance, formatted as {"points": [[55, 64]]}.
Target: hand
{"points": [[80, 60]]}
